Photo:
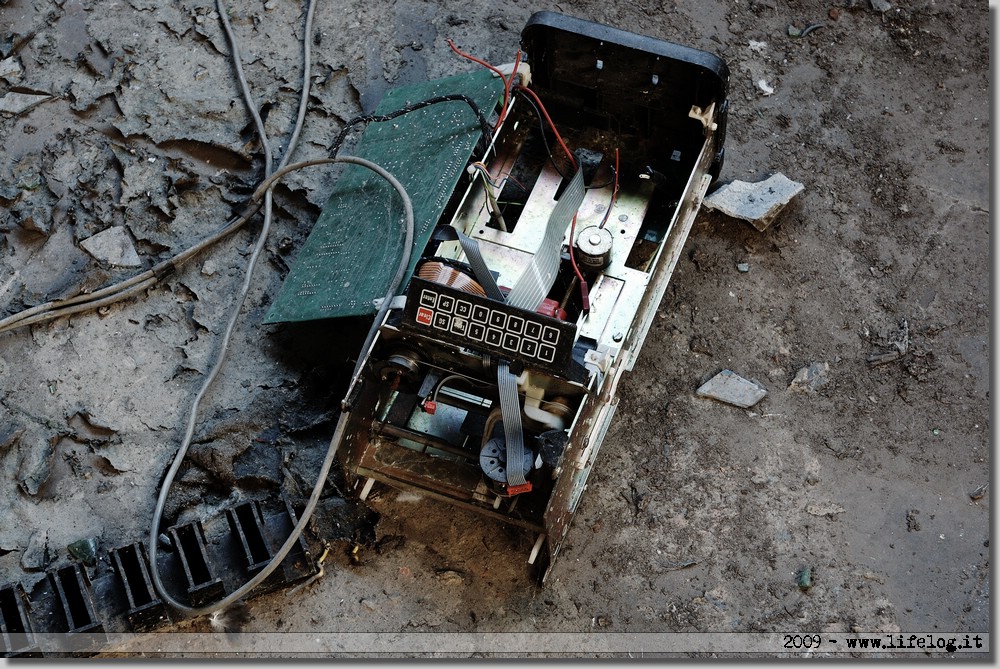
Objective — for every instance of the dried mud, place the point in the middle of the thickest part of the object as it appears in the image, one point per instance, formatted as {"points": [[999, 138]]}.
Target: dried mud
{"points": [[698, 516]]}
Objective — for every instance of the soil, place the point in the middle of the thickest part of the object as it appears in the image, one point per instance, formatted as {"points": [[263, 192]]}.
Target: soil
{"points": [[699, 516]]}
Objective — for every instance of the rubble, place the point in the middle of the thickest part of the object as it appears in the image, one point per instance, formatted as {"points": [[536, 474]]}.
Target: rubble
{"points": [[18, 103], [113, 246], [758, 203], [811, 378], [728, 387]]}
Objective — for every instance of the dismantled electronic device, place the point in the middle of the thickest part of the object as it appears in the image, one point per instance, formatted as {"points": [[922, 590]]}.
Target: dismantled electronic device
{"points": [[539, 257]]}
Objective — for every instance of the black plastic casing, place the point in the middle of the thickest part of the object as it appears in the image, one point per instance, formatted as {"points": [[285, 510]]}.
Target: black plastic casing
{"points": [[625, 83]]}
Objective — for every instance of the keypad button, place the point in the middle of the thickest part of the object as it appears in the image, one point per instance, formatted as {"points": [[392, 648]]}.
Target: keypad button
{"points": [[529, 347], [550, 335], [459, 325], [463, 309], [428, 298], [546, 353], [498, 319], [533, 329], [446, 303], [442, 321], [480, 314], [494, 337], [476, 331], [515, 324], [511, 342]]}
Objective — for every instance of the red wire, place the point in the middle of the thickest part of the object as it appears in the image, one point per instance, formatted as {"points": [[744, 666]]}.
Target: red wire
{"points": [[506, 90], [548, 119], [584, 288], [506, 82]]}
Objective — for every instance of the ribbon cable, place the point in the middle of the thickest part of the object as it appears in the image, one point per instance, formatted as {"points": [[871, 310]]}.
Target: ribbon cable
{"points": [[529, 291]]}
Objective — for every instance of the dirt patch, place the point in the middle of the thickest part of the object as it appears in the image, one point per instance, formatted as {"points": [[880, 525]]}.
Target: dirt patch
{"points": [[698, 516]]}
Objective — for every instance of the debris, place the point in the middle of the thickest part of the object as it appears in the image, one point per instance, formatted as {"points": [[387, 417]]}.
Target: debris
{"points": [[674, 566], [979, 492], [450, 576], [757, 47], [729, 387], [759, 203], [834, 13], [18, 103], [876, 359], [84, 550], [767, 88], [369, 605], [898, 343], [10, 68], [829, 509], [811, 378], [36, 556], [340, 519], [9, 436], [794, 31], [911, 521], [881, 5], [112, 246], [804, 578], [230, 620], [35, 467], [743, 267], [320, 570]]}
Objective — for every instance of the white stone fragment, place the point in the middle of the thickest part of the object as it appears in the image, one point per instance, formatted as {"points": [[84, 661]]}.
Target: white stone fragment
{"points": [[112, 246], [729, 387], [759, 203]]}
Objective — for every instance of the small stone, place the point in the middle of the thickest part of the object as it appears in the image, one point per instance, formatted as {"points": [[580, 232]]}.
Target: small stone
{"points": [[18, 103], [36, 556], [829, 509], [369, 605], [743, 267], [84, 550], [881, 5], [112, 246], [450, 577], [758, 203], [810, 379], [729, 387], [10, 68], [35, 468]]}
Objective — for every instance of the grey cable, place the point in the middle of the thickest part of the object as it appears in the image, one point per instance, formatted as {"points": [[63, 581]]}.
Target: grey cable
{"points": [[286, 548], [234, 316]]}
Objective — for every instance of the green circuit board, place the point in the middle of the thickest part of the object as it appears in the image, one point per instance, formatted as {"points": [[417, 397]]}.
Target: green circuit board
{"points": [[353, 251]]}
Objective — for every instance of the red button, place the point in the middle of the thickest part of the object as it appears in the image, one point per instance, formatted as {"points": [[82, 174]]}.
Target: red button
{"points": [[424, 316]]}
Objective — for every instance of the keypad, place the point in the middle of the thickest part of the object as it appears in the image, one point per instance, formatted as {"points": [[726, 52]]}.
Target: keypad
{"points": [[515, 334]]}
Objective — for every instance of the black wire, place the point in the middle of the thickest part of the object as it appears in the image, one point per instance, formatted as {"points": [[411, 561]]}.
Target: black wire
{"points": [[378, 118], [545, 140]]}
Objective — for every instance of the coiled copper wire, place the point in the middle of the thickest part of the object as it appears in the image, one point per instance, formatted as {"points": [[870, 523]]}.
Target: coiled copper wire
{"points": [[438, 272]]}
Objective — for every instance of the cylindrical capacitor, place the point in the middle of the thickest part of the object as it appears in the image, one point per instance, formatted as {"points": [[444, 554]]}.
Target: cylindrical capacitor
{"points": [[593, 248]]}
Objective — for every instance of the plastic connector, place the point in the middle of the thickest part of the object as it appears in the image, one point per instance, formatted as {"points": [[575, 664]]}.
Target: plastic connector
{"points": [[518, 489], [430, 406]]}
